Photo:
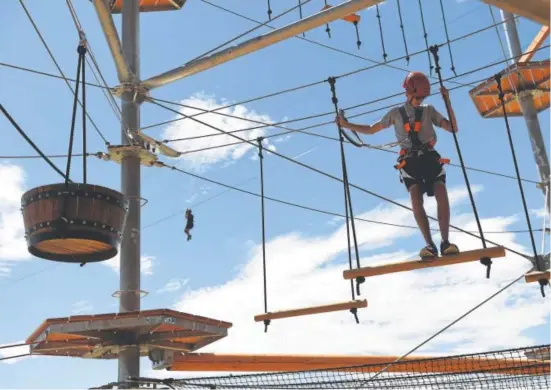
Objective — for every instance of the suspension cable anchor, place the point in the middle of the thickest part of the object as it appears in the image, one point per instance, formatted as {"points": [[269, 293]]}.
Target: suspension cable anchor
{"points": [[488, 263]]}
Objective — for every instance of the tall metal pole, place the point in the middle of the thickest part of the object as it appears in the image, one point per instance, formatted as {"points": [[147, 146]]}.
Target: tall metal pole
{"points": [[129, 359], [528, 109]]}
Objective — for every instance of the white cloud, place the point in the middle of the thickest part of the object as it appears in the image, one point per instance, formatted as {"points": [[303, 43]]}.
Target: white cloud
{"points": [[12, 242], [15, 351], [403, 308], [81, 307], [190, 128], [147, 264], [173, 285]]}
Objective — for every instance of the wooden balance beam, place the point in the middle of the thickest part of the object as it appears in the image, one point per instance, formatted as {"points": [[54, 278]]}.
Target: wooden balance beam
{"points": [[536, 276], [462, 257], [311, 310], [363, 364]]}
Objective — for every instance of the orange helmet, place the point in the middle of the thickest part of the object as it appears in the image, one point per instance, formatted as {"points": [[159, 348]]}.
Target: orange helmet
{"points": [[417, 84]]}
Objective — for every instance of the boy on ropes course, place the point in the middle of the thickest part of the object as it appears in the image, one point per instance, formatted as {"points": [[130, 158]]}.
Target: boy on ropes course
{"points": [[420, 166]]}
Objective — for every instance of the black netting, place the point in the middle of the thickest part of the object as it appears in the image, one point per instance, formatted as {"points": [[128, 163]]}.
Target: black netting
{"points": [[523, 368]]}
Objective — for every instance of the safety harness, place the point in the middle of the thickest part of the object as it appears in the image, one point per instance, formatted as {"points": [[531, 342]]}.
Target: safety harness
{"points": [[413, 129]]}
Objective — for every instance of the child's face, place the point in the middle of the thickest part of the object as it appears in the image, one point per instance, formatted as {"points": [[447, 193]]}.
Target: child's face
{"points": [[415, 101]]}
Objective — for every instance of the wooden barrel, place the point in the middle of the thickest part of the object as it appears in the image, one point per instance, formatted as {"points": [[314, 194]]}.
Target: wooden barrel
{"points": [[78, 223]]}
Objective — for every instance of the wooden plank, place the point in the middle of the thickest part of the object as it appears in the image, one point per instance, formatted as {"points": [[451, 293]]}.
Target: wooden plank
{"points": [[540, 37], [535, 276], [311, 310], [535, 10], [462, 257]]}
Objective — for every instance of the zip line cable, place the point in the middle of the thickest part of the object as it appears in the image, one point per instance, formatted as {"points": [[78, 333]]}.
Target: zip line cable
{"points": [[288, 203], [299, 6], [311, 168], [277, 124], [58, 67], [312, 84], [30, 142]]}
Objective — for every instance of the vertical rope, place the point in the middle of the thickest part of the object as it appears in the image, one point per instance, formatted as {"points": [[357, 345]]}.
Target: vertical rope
{"points": [[327, 28], [358, 40], [447, 37], [347, 197], [261, 158], [381, 32], [84, 136], [425, 36], [269, 11], [403, 31], [73, 119], [300, 13], [485, 260], [517, 171]]}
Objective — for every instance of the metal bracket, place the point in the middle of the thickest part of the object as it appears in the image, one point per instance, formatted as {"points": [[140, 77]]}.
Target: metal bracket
{"points": [[120, 152], [545, 262], [135, 88]]}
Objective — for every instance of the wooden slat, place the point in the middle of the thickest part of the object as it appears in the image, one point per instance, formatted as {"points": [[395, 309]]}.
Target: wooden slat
{"points": [[462, 257], [535, 276], [311, 310], [540, 37]]}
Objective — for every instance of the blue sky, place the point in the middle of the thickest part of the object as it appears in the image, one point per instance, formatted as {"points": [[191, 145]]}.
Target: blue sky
{"points": [[218, 273]]}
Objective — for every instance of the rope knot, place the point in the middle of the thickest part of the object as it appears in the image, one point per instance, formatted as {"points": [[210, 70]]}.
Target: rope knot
{"points": [[488, 263], [266, 323], [359, 281]]}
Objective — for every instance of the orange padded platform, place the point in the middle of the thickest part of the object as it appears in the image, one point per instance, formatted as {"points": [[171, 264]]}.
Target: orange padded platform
{"points": [[103, 336], [150, 5], [516, 79]]}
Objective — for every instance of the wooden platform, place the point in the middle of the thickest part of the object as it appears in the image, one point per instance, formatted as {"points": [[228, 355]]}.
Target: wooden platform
{"points": [[518, 78], [311, 310], [103, 336], [462, 257]]}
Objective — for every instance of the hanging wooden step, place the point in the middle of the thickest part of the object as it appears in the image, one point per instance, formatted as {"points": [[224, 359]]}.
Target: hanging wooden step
{"points": [[462, 257], [536, 276], [311, 310], [518, 79], [150, 5], [74, 223]]}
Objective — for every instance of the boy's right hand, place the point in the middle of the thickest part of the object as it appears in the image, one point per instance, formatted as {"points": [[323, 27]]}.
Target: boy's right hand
{"points": [[340, 120]]}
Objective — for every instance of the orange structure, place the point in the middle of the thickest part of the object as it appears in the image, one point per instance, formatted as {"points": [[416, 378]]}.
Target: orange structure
{"points": [[150, 5], [352, 18], [522, 77], [103, 336], [462, 257], [410, 364]]}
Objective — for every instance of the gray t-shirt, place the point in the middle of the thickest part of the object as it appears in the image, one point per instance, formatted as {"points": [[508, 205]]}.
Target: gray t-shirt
{"points": [[427, 134]]}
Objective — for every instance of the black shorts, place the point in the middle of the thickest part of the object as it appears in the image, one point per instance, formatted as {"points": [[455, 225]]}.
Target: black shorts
{"points": [[424, 169]]}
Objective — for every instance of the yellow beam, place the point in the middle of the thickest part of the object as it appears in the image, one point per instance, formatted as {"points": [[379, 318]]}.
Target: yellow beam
{"points": [[535, 276], [540, 37], [535, 10]]}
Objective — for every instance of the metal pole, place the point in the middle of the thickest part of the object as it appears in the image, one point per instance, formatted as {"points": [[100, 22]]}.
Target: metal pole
{"points": [[129, 359], [260, 42], [528, 109]]}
